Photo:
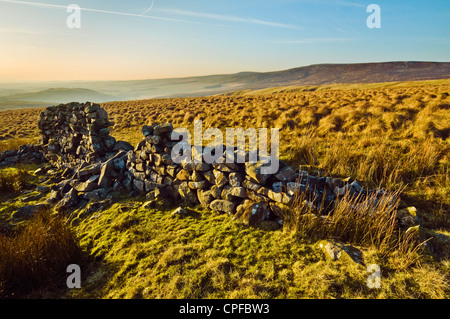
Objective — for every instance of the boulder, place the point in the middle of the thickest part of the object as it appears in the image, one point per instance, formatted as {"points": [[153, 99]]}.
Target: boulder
{"points": [[225, 206], [209, 176], [139, 186], [221, 178], [205, 197], [280, 210], [286, 174], [69, 200], [97, 195], [147, 130], [229, 193], [216, 191], [279, 187], [294, 188], [183, 175], [251, 213], [222, 167], [171, 170], [196, 176], [180, 212], [199, 185], [105, 179], [407, 217], [28, 212], [187, 194], [161, 193], [282, 198], [251, 186], [202, 167], [89, 185], [254, 171], [162, 129], [235, 179], [89, 170], [335, 250], [122, 145]]}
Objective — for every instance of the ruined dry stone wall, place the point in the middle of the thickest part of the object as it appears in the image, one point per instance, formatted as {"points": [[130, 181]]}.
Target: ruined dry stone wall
{"points": [[234, 188], [26, 154], [95, 167], [74, 133]]}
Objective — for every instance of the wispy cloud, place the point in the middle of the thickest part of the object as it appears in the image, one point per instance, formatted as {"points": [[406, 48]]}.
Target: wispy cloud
{"points": [[185, 13], [57, 6], [313, 40], [333, 3], [227, 18], [351, 4]]}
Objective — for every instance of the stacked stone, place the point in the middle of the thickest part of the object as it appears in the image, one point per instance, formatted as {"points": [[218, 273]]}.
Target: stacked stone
{"points": [[76, 137], [238, 189], [26, 154], [73, 133], [150, 169]]}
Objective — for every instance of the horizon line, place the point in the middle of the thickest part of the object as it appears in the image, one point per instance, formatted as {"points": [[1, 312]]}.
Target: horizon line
{"points": [[218, 74]]}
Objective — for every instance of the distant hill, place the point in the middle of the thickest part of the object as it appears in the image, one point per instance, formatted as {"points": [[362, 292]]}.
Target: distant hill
{"points": [[353, 73], [320, 74], [58, 95]]}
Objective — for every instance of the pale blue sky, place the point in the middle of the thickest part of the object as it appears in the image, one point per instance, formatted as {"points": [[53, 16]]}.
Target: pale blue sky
{"points": [[198, 37]]}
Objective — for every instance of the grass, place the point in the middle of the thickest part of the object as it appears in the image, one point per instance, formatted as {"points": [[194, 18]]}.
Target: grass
{"points": [[13, 179], [34, 258], [393, 136], [149, 254], [368, 221]]}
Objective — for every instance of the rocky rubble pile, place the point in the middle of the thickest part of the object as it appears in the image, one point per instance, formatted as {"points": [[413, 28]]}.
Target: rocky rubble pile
{"points": [[75, 139], [90, 182], [26, 154], [74, 133]]}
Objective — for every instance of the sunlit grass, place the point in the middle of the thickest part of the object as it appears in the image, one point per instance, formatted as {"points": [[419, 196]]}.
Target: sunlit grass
{"points": [[393, 136]]}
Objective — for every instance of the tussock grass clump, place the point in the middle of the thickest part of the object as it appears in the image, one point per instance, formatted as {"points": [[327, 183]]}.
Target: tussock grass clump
{"points": [[362, 221], [13, 179], [369, 221], [15, 143], [36, 256]]}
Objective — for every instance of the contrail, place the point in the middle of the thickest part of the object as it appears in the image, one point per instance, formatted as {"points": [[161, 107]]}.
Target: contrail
{"points": [[149, 9], [57, 6]]}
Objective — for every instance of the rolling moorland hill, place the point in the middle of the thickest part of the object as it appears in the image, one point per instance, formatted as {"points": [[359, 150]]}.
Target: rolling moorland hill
{"points": [[390, 135], [13, 96]]}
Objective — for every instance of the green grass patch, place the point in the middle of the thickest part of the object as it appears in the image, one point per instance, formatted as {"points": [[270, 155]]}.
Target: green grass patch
{"points": [[150, 254]]}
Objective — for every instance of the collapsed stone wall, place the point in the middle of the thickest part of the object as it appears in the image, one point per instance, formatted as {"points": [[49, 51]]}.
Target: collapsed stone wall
{"points": [[26, 154], [239, 189], [75, 138], [74, 133]]}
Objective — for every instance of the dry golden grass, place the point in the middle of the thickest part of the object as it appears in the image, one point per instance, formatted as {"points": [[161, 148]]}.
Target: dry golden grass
{"points": [[13, 179], [390, 136], [36, 256]]}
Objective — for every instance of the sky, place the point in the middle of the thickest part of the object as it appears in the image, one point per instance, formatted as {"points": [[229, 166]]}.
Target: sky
{"points": [[145, 39]]}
